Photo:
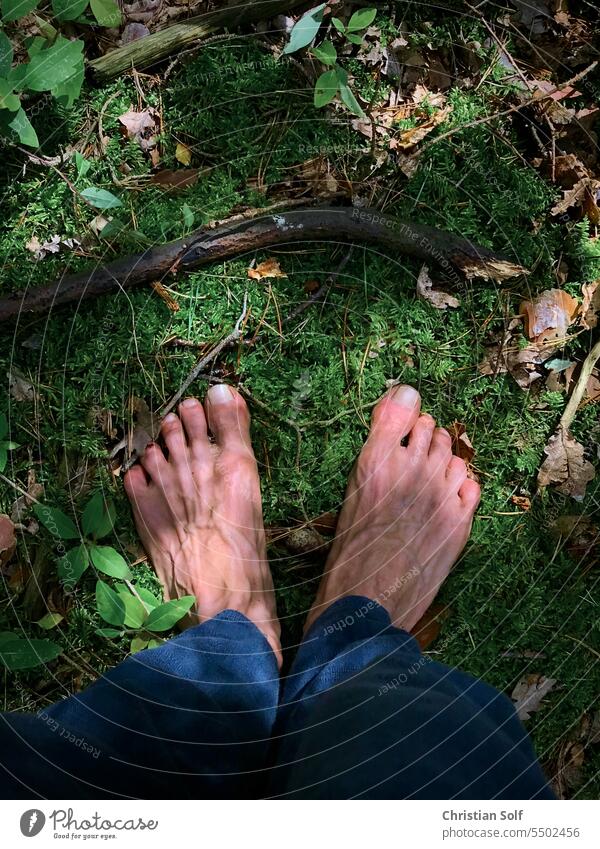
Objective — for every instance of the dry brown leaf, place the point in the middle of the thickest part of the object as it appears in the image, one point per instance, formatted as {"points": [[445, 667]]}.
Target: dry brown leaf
{"points": [[521, 501], [183, 154], [440, 300], [268, 268], [142, 127], [8, 542], [318, 174], [461, 444], [529, 692], [429, 625], [590, 306], [166, 296], [549, 315], [506, 355], [173, 181], [565, 465], [409, 138]]}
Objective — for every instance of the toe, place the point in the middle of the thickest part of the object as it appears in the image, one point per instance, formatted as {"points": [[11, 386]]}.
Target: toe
{"points": [[136, 485], [191, 413], [470, 494], [397, 412], [419, 441], [456, 473], [174, 437], [155, 463], [228, 417], [440, 449]]}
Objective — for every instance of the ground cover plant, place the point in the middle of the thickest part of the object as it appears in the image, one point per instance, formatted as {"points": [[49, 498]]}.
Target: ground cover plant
{"points": [[481, 123]]}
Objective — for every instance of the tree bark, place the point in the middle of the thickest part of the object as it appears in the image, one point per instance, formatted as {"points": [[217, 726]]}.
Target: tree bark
{"points": [[147, 51], [316, 224]]}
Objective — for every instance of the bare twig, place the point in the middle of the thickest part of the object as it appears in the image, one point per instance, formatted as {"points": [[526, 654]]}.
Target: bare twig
{"points": [[580, 387]]}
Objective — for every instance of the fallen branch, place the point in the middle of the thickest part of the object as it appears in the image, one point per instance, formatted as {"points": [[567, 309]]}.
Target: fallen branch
{"points": [[145, 52], [580, 387], [316, 224]]}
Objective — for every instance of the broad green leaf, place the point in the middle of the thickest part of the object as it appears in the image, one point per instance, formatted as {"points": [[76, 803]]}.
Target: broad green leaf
{"points": [[6, 54], [148, 598], [98, 517], [8, 99], [135, 612], [350, 101], [101, 199], [68, 10], [56, 522], [338, 25], [82, 164], [168, 614], [138, 644], [326, 88], [3, 457], [72, 566], [362, 19], [52, 65], [355, 39], [25, 654], [68, 91], [109, 561], [155, 643], [106, 12], [325, 53], [50, 620], [108, 632], [10, 446], [12, 10], [188, 217], [3, 425], [305, 29], [22, 127], [109, 605]]}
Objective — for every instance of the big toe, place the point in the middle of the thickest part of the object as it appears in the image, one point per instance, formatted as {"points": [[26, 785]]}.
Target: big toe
{"points": [[396, 413], [228, 418]]}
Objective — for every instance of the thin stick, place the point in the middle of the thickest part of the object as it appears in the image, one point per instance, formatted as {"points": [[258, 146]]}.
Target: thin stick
{"points": [[207, 359], [18, 488], [580, 387]]}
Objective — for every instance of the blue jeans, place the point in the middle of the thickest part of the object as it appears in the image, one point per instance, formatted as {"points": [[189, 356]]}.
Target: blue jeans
{"points": [[362, 713]]}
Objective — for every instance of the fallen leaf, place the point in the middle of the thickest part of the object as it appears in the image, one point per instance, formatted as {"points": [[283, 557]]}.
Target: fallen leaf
{"points": [[52, 246], [565, 466], [19, 510], [166, 296], [529, 692], [8, 542], [507, 355], [177, 180], [440, 300], [429, 625], [409, 138], [461, 444], [549, 315], [142, 127], [133, 32], [268, 268], [145, 428], [183, 154], [521, 501], [590, 306], [318, 174], [20, 387]]}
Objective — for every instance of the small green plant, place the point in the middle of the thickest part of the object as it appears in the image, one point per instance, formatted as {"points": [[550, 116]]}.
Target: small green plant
{"points": [[22, 653], [96, 522], [335, 80], [5, 445], [136, 612], [55, 63]]}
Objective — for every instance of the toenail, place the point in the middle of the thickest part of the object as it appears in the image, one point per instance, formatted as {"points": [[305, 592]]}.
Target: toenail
{"points": [[220, 393], [170, 418], [405, 396], [149, 446], [189, 402]]}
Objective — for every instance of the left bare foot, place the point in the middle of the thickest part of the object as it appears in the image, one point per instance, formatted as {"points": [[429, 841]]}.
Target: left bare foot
{"points": [[199, 515]]}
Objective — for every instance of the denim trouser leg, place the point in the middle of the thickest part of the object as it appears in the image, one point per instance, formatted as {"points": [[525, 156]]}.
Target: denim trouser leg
{"points": [[365, 714], [191, 719]]}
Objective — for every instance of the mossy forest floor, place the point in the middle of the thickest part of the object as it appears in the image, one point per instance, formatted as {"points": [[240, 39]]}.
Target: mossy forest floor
{"points": [[519, 601]]}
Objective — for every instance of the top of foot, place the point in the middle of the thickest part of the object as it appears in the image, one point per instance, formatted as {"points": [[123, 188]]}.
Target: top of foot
{"points": [[406, 517], [197, 509]]}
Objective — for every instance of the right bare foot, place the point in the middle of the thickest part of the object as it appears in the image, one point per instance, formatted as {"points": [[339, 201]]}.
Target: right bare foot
{"points": [[407, 515]]}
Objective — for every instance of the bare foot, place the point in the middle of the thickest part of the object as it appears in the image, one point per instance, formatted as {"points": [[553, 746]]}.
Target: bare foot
{"points": [[199, 515], [407, 514]]}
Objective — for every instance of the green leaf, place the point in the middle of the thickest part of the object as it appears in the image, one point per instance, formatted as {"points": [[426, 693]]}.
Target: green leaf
{"points": [[150, 600], [56, 522], [25, 654], [305, 29], [22, 127], [68, 10], [50, 620], [350, 101], [110, 606], [3, 425], [108, 632], [355, 39], [6, 54], [68, 91], [98, 517], [188, 217], [72, 566], [168, 614], [12, 10], [3, 457], [137, 644], [135, 612], [326, 88], [338, 25], [8, 100], [154, 643], [106, 12], [52, 65], [109, 561], [100, 198], [362, 19], [82, 164], [325, 53]]}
